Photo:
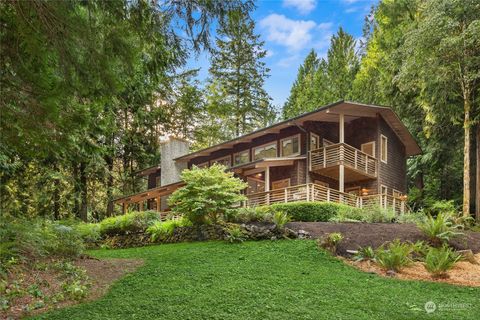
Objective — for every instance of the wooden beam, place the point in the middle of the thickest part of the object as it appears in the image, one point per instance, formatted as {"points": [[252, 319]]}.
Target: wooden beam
{"points": [[267, 179], [341, 126], [253, 171]]}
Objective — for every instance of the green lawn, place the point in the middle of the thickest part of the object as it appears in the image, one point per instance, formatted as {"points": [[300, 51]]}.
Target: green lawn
{"points": [[261, 280]]}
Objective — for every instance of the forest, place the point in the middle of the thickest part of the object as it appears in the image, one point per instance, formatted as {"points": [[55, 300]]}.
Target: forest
{"points": [[89, 88]]}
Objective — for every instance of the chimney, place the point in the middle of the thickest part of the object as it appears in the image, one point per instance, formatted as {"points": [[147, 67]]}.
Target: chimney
{"points": [[170, 170]]}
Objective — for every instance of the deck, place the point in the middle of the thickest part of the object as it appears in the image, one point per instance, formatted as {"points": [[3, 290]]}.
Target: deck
{"points": [[315, 192], [358, 165]]}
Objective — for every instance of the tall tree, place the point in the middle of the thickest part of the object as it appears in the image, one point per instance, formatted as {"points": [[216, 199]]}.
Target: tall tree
{"points": [[238, 73], [442, 53]]}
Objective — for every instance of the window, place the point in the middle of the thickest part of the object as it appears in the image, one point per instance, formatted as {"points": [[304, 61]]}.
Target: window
{"points": [[368, 148], [265, 151], [223, 161], [383, 189], [383, 148], [241, 157], [314, 141], [290, 146], [280, 184]]}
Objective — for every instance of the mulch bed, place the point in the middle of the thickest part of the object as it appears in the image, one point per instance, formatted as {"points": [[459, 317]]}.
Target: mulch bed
{"points": [[375, 234]]}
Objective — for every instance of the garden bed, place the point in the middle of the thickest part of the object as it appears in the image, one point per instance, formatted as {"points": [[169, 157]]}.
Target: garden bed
{"points": [[375, 234], [463, 273]]}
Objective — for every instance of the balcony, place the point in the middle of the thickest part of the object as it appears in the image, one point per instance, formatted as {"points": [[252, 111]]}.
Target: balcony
{"points": [[358, 165], [314, 192]]}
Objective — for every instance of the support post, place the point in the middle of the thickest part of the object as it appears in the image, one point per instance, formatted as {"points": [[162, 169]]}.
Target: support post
{"points": [[125, 208], [341, 169], [267, 184], [158, 202], [286, 195], [308, 193]]}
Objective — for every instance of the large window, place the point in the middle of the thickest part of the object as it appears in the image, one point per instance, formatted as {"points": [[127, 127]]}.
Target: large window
{"points": [[290, 146], [383, 148], [241, 157], [265, 151], [223, 161]]}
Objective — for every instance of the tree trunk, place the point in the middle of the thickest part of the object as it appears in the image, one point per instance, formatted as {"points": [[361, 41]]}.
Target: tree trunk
{"points": [[477, 185], [83, 192], [466, 160], [109, 161], [76, 191]]}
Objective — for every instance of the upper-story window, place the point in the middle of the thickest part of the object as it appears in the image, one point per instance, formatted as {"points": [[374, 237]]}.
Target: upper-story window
{"points": [[314, 141], [241, 157], [290, 146], [223, 161], [383, 148], [265, 151]]}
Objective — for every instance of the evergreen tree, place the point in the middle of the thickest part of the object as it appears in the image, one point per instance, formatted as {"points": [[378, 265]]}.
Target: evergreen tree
{"points": [[238, 73]]}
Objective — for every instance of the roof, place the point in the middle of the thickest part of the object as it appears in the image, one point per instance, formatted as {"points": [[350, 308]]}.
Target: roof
{"points": [[147, 171], [328, 113]]}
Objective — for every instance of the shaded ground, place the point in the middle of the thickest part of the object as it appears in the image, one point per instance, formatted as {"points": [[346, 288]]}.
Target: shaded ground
{"points": [[375, 234], [39, 288], [463, 273]]}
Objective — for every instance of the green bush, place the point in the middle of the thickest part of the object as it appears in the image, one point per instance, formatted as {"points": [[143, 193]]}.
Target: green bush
{"points": [[396, 256], [162, 229], [128, 223], [433, 208], [330, 241], [370, 215], [411, 217], [252, 214], [209, 194], [280, 219], [235, 234], [440, 229], [89, 232], [365, 254], [311, 211], [439, 260]]}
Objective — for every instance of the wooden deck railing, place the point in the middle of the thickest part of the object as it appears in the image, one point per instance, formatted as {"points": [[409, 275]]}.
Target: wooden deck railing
{"points": [[316, 192], [342, 153]]}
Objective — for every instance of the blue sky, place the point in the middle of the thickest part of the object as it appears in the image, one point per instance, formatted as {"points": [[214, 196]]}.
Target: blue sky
{"points": [[290, 29]]}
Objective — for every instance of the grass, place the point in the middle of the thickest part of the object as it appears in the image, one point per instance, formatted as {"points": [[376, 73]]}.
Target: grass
{"points": [[261, 280]]}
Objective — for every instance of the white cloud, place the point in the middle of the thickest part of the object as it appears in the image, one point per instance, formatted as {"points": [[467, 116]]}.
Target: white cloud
{"points": [[303, 6], [269, 53], [289, 61], [293, 34]]}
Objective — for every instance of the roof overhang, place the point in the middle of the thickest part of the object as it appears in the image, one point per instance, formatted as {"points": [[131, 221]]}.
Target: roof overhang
{"points": [[147, 171], [260, 165], [150, 194], [328, 113]]}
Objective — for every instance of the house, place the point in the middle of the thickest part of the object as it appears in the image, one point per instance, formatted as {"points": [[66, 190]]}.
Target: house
{"points": [[344, 152]]}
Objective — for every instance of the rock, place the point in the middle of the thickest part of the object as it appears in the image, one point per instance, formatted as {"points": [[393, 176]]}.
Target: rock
{"points": [[302, 234], [468, 256], [391, 273]]}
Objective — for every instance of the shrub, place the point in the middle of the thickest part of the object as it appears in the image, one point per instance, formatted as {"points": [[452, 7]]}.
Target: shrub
{"points": [[443, 206], [439, 260], [162, 229], [411, 217], [128, 223], [311, 211], [235, 234], [395, 256], [330, 241], [280, 219], [365, 254], [252, 214], [209, 194], [439, 229], [370, 214], [89, 232]]}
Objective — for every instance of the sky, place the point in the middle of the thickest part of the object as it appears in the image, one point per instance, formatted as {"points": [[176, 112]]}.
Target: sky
{"points": [[290, 29]]}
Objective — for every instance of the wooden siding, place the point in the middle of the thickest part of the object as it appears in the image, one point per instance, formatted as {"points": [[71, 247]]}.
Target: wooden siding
{"points": [[392, 174]]}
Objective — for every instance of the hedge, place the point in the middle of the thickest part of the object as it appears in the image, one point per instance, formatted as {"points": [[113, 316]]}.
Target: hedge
{"points": [[311, 211]]}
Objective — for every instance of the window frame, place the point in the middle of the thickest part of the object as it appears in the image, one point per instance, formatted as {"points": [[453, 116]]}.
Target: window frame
{"points": [[291, 138], [247, 151], [275, 143], [382, 137], [314, 135], [374, 149], [229, 158]]}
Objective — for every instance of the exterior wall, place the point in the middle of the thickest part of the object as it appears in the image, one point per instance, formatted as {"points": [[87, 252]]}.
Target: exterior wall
{"points": [[171, 170], [392, 174]]}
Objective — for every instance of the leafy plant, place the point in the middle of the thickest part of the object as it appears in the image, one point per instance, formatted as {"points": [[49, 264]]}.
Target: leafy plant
{"points": [[311, 211], [162, 229], [365, 254], [128, 223], [280, 219], [440, 229], [252, 214], [370, 215], [396, 256], [330, 241], [235, 234], [411, 217], [89, 232], [209, 194], [439, 260]]}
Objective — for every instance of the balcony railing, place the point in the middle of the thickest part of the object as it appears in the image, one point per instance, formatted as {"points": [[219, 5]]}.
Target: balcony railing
{"points": [[316, 192], [342, 153]]}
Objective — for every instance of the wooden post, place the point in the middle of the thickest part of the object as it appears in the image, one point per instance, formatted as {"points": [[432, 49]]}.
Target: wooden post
{"points": [[125, 208], [356, 156], [308, 193], [341, 169], [286, 195], [267, 184], [159, 202], [328, 194], [324, 157]]}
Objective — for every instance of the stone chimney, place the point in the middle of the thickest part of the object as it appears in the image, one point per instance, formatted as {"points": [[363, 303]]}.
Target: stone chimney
{"points": [[170, 170]]}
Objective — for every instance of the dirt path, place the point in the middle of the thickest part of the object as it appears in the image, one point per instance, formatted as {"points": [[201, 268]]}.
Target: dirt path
{"points": [[375, 234]]}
